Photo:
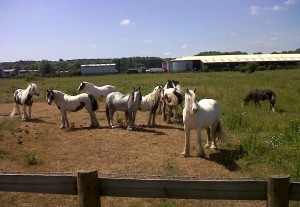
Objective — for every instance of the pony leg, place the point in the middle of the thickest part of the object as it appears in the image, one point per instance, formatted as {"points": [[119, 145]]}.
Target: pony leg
{"points": [[25, 116], [63, 119], [111, 118], [215, 129], [129, 118], [199, 140], [150, 119], [272, 105], [15, 110], [186, 151], [29, 111], [208, 143]]}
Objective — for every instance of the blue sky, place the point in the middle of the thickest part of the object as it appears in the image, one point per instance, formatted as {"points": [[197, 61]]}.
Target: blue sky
{"points": [[74, 29]]}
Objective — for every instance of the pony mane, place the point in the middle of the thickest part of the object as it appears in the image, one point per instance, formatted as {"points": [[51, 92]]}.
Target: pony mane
{"points": [[154, 96]]}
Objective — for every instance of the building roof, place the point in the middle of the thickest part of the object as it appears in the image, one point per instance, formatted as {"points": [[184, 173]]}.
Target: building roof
{"points": [[242, 58], [95, 65]]}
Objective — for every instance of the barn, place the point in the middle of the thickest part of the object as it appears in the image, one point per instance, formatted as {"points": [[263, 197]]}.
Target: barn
{"points": [[98, 69], [222, 61]]}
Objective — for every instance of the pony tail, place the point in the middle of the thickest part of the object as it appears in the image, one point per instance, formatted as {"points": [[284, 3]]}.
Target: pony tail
{"points": [[94, 102], [107, 113]]}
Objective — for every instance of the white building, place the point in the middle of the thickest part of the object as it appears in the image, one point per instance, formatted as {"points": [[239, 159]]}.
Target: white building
{"points": [[98, 69], [191, 62]]}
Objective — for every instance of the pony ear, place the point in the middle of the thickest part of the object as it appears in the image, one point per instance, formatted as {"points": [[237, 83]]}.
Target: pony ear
{"points": [[187, 90], [194, 90]]}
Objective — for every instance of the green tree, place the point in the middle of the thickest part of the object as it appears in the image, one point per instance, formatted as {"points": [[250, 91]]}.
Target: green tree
{"points": [[46, 68]]}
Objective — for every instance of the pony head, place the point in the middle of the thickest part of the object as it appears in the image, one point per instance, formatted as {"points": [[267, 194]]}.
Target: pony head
{"points": [[136, 94], [81, 86], [191, 104], [34, 89], [50, 96], [171, 84]]}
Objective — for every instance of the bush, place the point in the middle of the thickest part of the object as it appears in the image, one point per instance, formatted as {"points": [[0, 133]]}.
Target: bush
{"points": [[31, 156]]}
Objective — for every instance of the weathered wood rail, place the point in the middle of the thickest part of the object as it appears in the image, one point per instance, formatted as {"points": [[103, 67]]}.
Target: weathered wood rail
{"points": [[277, 190]]}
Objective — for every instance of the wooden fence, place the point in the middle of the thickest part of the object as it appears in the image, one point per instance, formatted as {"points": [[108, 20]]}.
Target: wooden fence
{"points": [[277, 190]]}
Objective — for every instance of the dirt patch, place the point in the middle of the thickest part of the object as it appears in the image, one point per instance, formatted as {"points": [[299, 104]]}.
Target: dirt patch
{"points": [[144, 153]]}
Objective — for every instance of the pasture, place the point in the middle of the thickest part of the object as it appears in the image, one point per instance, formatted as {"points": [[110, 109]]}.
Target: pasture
{"points": [[257, 142]]}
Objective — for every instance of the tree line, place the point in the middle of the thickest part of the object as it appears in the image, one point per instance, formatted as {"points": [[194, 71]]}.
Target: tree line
{"points": [[72, 67], [46, 67]]}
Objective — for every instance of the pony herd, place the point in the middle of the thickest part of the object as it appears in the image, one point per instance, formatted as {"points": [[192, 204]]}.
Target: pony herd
{"points": [[204, 114]]}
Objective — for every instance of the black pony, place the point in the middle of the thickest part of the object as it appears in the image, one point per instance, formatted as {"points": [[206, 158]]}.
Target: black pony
{"points": [[257, 95]]}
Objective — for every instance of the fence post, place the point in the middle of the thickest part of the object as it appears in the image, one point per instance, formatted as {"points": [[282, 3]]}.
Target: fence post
{"points": [[88, 188], [278, 191]]}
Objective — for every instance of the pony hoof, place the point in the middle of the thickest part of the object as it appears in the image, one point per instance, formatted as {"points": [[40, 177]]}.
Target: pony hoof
{"points": [[129, 129], [201, 155], [62, 126], [214, 148], [185, 154]]}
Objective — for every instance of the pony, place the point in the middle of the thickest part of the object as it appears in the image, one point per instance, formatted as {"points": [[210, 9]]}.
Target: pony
{"points": [[66, 102], [24, 97], [97, 91], [169, 87], [171, 99], [205, 114], [129, 103], [257, 95], [150, 103]]}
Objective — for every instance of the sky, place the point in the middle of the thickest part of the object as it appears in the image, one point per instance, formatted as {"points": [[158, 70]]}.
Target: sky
{"points": [[78, 29]]}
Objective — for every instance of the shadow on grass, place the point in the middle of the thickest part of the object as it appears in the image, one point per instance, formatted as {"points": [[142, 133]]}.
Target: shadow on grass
{"points": [[227, 158]]}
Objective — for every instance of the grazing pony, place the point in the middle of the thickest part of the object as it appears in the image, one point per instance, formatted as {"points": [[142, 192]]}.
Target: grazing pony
{"points": [[206, 114], [24, 97], [65, 102], [257, 95], [129, 103], [150, 103], [97, 91]]}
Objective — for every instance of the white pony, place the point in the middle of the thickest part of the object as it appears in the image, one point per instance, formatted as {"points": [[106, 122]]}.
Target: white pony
{"points": [[97, 91], [65, 102], [204, 114], [150, 103], [25, 98], [129, 103]]}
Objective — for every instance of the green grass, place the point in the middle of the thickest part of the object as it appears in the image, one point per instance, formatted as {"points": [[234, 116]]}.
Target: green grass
{"points": [[267, 142]]}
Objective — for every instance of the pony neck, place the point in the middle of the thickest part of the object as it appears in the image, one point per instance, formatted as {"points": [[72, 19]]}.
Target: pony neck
{"points": [[58, 95]]}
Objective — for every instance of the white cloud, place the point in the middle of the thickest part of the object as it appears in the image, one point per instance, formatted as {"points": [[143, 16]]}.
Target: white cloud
{"points": [[126, 22], [275, 8], [93, 45], [148, 41], [254, 10], [290, 2], [184, 46]]}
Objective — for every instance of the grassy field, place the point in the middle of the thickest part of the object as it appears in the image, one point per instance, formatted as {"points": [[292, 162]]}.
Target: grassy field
{"points": [[264, 142], [258, 143]]}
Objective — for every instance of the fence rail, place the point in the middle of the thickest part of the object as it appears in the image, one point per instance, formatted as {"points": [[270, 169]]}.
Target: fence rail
{"points": [[276, 190]]}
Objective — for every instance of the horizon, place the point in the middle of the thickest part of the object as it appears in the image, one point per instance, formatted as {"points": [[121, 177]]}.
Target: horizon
{"points": [[36, 30]]}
